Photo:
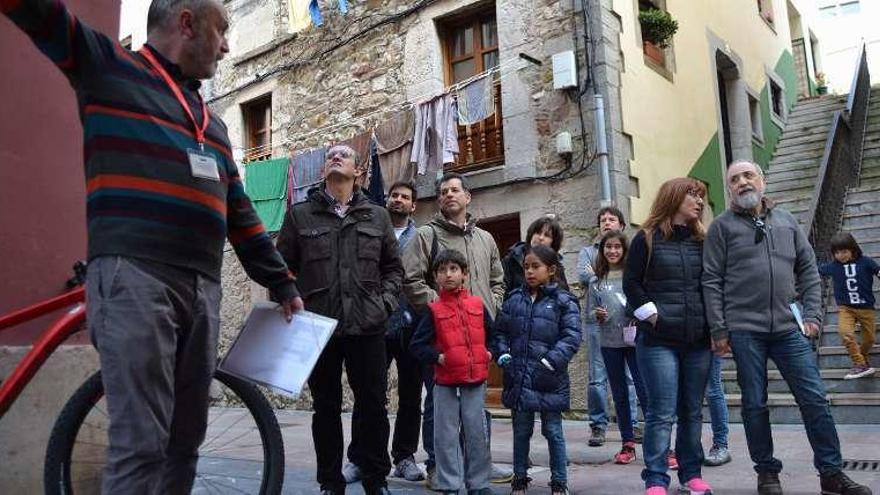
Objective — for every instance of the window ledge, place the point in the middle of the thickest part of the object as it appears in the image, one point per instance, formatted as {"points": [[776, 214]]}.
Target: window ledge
{"points": [[769, 24], [659, 69], [758, 140], [777, 120]]}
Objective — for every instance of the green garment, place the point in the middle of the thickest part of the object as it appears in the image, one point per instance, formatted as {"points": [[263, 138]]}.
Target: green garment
{"points": [[266, 185]]}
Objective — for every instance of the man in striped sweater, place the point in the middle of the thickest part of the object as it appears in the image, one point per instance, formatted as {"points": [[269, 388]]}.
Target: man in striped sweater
{"points": [[163, 195]]}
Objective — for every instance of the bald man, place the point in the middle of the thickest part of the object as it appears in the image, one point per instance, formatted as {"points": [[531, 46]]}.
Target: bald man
{"points": [[163, 196], [757, 262]]}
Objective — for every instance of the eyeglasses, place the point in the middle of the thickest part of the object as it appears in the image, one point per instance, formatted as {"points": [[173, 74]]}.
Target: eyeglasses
{"points": [[695, 193], [760, 229]]}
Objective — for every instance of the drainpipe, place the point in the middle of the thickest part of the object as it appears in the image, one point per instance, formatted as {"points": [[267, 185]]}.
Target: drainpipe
{"points": [[602, 149]]}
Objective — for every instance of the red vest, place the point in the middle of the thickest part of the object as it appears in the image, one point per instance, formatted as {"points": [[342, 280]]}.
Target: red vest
{"points": [[461, 337]]}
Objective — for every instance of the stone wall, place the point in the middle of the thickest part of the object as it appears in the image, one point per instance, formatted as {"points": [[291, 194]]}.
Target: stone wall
{"points": [[331, 82]]}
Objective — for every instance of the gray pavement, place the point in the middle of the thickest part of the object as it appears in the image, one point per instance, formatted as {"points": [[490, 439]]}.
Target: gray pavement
{"points": [[590, 470]]}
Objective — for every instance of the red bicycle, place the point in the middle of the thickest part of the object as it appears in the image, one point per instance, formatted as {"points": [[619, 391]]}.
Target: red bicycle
{"points": [[243, 451]]}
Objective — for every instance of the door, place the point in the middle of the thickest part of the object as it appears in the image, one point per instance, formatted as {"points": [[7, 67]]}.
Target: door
{"points": [[506, 232]]}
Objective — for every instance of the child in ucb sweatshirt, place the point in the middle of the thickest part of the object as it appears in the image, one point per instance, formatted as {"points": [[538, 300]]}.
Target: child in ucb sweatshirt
{"points": [[853, 275], [453, 338]]}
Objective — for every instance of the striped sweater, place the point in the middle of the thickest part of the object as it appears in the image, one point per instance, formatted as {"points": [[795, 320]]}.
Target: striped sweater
{"points": [[142, 198]]}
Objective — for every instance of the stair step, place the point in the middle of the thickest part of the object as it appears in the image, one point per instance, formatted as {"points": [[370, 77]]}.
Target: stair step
{"points": [[797, 162], [836, 357], [792, 185], [831, 337], [833, 378], [847, 408], [776, 175], [857, 219]]}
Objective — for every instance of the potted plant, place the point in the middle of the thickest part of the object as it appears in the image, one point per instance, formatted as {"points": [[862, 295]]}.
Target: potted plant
{"points": [[658, 26], [821, 84]]}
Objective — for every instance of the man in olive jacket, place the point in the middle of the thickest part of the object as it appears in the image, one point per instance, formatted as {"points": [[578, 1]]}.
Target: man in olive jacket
{"points": [[343, 251], [452, 228], [756, 264]]}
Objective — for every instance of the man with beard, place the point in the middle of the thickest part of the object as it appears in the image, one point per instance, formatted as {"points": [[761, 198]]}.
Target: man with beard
{"points": [[343, 250], [756, 263], [452, 228], [401, 204]]}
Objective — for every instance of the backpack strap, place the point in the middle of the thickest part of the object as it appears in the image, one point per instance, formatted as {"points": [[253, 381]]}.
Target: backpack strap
{"points": [[435, 248]]}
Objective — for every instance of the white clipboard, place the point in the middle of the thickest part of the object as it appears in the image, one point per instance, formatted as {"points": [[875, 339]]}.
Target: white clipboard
{"points": [[278, 354]]}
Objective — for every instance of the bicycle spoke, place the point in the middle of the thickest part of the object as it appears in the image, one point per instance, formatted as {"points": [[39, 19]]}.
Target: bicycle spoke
{"points": [[224, 475], [240, 418], [247, 432]]}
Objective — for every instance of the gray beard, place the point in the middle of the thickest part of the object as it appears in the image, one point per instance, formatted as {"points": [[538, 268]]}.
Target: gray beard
{"points": [[748, 201]]}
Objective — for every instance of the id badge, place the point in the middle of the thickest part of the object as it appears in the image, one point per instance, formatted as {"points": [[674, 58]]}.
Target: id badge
{"points": [[203, 165]]}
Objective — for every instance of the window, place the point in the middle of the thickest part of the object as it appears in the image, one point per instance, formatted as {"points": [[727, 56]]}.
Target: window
{"points": [[470, 44], [657, 57], [765, 10], [257, 128], [755, 115], [833, 8], [776, 93]]}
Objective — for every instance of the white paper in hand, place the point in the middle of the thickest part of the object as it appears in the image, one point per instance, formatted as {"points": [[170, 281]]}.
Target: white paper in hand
{"points": [[278, 354]]}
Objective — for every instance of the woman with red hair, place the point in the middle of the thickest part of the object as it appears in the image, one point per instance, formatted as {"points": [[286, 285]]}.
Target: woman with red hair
{"points": [[662, 287]]}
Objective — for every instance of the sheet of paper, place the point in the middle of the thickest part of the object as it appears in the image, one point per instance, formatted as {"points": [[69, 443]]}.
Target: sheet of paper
{"points": [[278, 354], [796, 310]]}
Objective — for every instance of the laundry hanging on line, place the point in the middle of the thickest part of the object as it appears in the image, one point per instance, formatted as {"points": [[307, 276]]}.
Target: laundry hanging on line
{"points": [[394, 143], [476, 100], [266, 186], [305, 172], [435, 138], [303, 13]]}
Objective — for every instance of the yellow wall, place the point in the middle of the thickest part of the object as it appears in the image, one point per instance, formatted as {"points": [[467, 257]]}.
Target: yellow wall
{"points": [[672, 122]]}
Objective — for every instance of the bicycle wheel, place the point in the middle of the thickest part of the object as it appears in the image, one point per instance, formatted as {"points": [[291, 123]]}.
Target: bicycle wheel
{"points": [[242, 453]]}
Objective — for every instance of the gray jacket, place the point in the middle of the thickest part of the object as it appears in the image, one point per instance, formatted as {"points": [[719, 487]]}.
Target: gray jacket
{"points": [[749, 286]]}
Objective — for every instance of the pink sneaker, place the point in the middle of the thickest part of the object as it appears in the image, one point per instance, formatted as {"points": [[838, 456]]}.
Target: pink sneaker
{"points": [[698, 487], [655, 490]]}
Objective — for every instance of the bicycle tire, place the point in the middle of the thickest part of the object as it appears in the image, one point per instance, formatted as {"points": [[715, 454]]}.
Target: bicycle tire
{"points": [[57, 468]]}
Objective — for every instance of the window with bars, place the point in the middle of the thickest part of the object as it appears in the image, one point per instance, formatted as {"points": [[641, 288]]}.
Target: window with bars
{"points": [[257, 116], [470, 45]]}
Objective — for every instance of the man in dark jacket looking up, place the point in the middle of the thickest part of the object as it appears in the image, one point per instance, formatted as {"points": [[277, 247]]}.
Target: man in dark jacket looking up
{"points": [[344, 252], [401, 204], [756, 263]]}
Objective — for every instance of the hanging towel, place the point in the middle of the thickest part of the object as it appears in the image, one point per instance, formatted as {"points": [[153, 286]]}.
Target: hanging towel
{"points": [[305, 171], [394, 143], [343, 6], [298, 12], [315, 13], [435, 139], [476, 101], [376, 188], [266, 185]]}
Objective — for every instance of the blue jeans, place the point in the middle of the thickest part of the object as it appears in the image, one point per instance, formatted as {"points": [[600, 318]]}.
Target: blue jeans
{"points": [[617, 361], [794, 357], [597, 388], [717, 404], [675, 381], [551, 428]]}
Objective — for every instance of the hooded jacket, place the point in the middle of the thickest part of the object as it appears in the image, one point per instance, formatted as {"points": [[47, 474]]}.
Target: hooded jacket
{"points": [[485, 274], [347, 268]]}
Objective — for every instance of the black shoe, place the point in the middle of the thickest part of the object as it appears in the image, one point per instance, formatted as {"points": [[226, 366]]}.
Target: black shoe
{"points": [[519, 486], [377, 490], [558, 488], [768, 484], [597, 438], [331, 491], [840, 484]]}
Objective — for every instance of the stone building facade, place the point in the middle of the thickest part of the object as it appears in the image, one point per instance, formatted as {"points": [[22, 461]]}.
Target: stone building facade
{"points": [[328, 83]]}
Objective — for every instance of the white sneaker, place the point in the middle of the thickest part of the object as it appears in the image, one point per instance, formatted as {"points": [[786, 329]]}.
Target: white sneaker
{"points": [[859, 371]]}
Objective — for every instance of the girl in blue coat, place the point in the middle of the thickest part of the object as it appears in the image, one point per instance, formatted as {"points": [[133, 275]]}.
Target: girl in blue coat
{"points": [[537, 334]]}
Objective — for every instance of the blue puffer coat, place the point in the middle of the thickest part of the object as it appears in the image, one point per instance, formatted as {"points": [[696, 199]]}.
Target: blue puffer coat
{"points": [[549, 328]]}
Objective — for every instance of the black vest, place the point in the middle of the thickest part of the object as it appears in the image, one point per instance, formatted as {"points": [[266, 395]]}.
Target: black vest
{"points": [[673, 281]]}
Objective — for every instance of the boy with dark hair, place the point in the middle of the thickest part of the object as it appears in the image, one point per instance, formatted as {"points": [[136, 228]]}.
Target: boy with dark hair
{"points": [[453, 338]]}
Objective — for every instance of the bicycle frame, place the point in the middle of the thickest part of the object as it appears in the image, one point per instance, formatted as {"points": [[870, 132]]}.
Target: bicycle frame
{"points": [[62, 328]]}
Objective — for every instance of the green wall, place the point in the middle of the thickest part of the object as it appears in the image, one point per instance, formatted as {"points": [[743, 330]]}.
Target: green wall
{"points": [[708, 167]]}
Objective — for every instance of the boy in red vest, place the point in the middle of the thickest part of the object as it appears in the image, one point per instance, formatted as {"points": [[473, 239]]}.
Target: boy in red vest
{"points": [[453, 337]]}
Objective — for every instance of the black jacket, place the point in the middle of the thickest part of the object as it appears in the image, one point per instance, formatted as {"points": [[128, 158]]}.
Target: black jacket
{"points": [[673, 283], [346, 268], [514, 277]]}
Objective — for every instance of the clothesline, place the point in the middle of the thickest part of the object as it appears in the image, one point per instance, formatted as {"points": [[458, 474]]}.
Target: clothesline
{"points": [[504, 70]]}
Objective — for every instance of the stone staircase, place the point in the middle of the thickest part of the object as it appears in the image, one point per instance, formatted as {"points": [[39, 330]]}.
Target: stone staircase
{"points": [[790, 181]]}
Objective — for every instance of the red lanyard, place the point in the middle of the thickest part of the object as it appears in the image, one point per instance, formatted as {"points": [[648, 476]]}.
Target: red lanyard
{"points": [[200, 130]]}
